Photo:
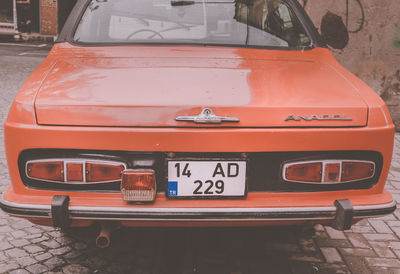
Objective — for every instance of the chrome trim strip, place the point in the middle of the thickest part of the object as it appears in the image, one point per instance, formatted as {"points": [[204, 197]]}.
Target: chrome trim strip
{"points": [[210, 220], [202, 210], [24, 206], [374, 207]]}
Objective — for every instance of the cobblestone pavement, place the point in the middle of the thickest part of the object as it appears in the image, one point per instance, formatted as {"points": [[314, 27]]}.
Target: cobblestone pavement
{"points": [[370, 246]]}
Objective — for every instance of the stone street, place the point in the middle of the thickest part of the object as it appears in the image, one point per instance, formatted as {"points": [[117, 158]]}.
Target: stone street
{"points": [[371, 246]]}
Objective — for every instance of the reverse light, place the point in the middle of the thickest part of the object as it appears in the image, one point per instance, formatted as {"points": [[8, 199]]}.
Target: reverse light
{"points": [[76, 171], [138, 185], [328, 171], [332, 173]]}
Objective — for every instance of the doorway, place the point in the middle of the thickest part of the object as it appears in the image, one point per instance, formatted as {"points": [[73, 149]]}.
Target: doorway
{"points": [[64, 9], [28, 13]]}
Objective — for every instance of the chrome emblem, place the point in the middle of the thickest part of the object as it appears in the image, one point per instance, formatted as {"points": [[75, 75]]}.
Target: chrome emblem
{"points": [[207, 117], [324, 117]]}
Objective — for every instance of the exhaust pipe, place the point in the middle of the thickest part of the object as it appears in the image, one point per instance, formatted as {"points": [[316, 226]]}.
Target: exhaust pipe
{"points": [[103, 240]]}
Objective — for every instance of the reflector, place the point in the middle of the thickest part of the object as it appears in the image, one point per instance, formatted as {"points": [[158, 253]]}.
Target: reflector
{"points": [[46, 170], [103, 172], [304, 172], [354, 171], [332, 173], [138, 185], [74, 172]]}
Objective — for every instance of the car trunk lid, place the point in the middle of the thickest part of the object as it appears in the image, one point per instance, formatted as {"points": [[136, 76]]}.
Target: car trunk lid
{"points": [[153, 92]]}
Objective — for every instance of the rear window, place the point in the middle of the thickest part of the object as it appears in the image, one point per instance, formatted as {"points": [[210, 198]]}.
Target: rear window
{"points": [[265, 23]]}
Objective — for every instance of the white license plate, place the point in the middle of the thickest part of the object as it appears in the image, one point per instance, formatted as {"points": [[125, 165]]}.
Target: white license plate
{"points": [[206, 178]]}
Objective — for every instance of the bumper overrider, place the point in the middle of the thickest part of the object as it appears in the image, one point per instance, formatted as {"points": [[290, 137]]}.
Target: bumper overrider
{"points": [[341, 215]]}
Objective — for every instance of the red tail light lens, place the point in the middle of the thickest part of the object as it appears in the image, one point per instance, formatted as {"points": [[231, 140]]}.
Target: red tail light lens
{"points": [[103, 172], [52, 171], [138, 185], [354, 171], [74, 172], [304, 172], [328, 171], [332, 173]]}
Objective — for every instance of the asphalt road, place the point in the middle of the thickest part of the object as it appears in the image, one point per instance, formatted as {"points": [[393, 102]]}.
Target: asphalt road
{"points": [[371, 246]]}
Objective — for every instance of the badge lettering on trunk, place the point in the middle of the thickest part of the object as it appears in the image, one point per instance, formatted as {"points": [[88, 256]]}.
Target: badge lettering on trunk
{"points": [[207, 117], [324, 117]]}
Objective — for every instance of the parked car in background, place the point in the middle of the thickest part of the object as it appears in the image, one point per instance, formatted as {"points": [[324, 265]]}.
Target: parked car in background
{"points": [[195, 113]]}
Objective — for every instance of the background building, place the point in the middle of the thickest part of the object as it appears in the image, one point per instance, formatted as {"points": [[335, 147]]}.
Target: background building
{"points": [[44, 17]]}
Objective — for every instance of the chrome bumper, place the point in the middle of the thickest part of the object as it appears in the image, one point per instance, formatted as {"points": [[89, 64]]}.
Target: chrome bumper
{"points": [[138, 213]]}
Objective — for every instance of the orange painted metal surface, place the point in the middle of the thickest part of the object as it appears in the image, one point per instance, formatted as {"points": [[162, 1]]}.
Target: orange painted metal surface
{"points": [[107, 98], [262, 89]]}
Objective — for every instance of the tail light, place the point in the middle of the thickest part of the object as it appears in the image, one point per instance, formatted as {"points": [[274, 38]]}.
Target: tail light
{"points": [[52, 171], [138, 185], [75, 170], [332, 173], [354, 171], [103, 172], [328, 171], [309, 172]]}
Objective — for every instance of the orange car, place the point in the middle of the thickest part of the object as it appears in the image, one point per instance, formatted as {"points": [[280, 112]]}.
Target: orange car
{"points": [[195, 113]]}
